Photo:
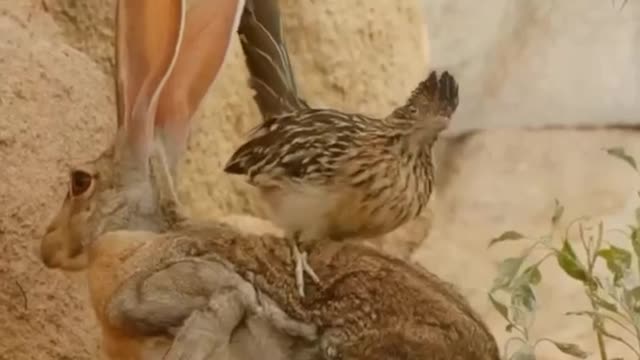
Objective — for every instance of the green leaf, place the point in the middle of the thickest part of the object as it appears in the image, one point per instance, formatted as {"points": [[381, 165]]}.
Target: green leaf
{"points": [[521, 316], [594, 315], [635, 293], [568, 261], [618, 261], [605, 304], [529, 276], [500, 308], [533, 274], [557, 213], [598, 323], [635, 242], [632, 298], [589, 313], [621, 154], [506, 236], [523, 296], [570, 349], [597, 282], [507, 270], [523, 302], [524, 353]]}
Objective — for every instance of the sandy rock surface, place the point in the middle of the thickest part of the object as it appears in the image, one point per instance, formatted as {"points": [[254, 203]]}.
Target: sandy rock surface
{"points": [[503, 180]]}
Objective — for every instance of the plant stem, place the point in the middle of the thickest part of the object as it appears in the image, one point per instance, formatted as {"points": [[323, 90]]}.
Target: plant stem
{"points": [[590, 293], [630, 314], [599, 337], [622, 341], [624, 327], [522, 331]]}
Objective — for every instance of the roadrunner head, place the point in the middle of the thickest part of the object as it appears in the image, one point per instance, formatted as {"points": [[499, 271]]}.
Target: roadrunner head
{"points": [[428, 110]]}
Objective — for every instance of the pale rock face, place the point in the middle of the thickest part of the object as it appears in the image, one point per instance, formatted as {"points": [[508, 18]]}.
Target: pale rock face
{"points": [[534, 62]]}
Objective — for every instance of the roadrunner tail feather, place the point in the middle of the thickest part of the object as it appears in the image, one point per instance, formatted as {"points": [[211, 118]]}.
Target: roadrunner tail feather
{"points": [[267, 59]]}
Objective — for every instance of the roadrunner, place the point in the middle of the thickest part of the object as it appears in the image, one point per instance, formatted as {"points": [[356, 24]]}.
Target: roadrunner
{"points": [[327, 174]]}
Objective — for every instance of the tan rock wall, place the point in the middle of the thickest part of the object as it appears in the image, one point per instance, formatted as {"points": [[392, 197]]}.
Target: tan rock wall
{"points": [[57, 106], [501, 180]]}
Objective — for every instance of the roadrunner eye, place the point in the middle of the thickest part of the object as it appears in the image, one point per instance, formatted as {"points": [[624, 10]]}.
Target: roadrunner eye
{"points": [[80, 182]]}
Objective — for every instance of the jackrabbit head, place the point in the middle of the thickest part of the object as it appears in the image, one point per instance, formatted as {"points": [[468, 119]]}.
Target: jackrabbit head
{"points": [[167, 56]]}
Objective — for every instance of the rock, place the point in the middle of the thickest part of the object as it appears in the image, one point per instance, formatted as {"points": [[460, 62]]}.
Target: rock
{"points": [[55, 101], [499, 180], [538, 62]]}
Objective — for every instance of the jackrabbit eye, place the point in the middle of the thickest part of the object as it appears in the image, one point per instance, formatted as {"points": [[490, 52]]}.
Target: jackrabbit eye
{"points": [[413, 110], [80, 182]]}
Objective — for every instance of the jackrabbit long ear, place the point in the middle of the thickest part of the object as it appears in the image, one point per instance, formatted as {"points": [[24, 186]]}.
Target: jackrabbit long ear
{"points": [[208, 30], [148, 36]]}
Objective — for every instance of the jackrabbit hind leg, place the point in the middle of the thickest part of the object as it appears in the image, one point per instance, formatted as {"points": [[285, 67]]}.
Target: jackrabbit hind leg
{"points": [[206, 333]]}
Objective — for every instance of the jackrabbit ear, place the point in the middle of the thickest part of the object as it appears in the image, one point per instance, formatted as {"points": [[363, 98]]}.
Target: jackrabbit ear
{"points": [[208, 31], [148, 36]]}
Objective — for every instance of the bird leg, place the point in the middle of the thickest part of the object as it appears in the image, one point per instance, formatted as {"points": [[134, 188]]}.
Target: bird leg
{"points": [[301, 265]]}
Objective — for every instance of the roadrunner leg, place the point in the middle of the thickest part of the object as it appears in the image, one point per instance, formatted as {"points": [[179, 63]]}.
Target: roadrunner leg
{"points": [[301, 264]]}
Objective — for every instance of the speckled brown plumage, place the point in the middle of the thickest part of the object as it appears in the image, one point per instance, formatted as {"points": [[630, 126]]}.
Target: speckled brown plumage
{"points": [[380, 169], [327, 174]]}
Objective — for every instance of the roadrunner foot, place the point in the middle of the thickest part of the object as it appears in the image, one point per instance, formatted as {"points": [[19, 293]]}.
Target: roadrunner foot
{"points": [[302, 267]]}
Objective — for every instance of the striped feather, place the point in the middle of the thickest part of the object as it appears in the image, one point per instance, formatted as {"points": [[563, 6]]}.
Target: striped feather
{"points": [[267, 59], [313, 145]]}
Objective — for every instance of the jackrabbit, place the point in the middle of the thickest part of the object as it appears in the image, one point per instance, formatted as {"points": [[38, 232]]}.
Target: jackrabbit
{"points": [[159, 279]]}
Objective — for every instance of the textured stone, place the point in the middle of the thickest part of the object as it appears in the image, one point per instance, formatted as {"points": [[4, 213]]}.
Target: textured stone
{"points": [[532, 62]]}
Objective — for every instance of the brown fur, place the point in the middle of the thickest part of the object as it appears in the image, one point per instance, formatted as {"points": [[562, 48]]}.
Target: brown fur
{"points": [[369, 301]]}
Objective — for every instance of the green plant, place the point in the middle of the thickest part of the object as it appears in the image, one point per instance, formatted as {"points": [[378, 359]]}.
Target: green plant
{"points": [[614, 297]]}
